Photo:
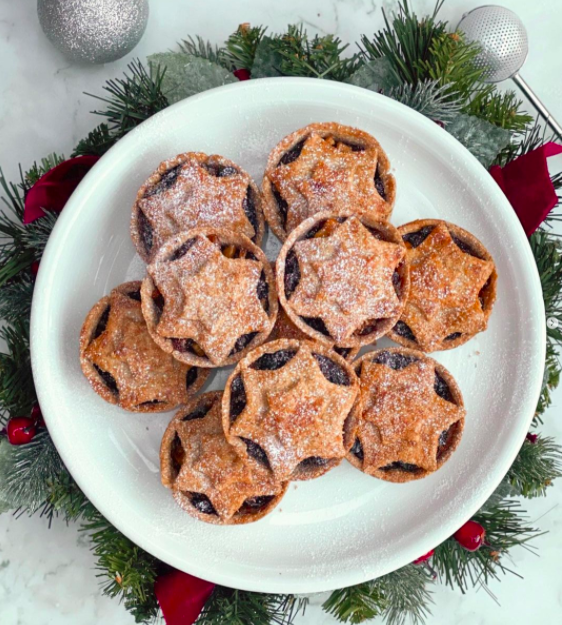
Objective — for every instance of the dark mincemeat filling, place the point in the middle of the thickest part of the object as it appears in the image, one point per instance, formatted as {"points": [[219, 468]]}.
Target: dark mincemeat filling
{"points": [[220, 171], [102, 323], [453, 336], [237, 398], [273, 361], [167, 180], [292, 273], [242, 342], [263, 291], [146, 232], [404, 330], [108, 380], [401, 466], [370, 326], [190, 377], [292, 153], [418, 237], [136, 295], [256, 452], [201, 503], [442, 389], [313, 462], [316, 324], [282, 205], [200, 411], [357, 449], [182, 250], [343, 351], [379, 184], [253, 505], [394, 360], [331, 370], [444, 439], [186, 346], [177, 454], [249, 207], [464, 246], [484, 292]]}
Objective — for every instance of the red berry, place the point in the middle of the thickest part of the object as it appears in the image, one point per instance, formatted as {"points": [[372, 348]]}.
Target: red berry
{"points": [[34, 267], [424, 558], [242, 74], [20, 430], [532, 438], [470, 536]]}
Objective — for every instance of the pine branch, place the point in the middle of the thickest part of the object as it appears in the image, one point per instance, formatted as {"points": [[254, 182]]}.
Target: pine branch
{"points": [[356, 604], [500, 109], [17, 392], [98, 141], [203, 49], [536, 466], [128, 572], [505, 525], [428, 98], [36, 234], [240, 48], [319, 57], [32, 467], [548, 255], [405, 41], [15, 298], [238, 607], [132, 99], [38, 170]]}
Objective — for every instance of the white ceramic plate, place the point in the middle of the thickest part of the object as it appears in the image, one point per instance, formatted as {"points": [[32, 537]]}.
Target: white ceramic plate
{"points": [[345, 527]]}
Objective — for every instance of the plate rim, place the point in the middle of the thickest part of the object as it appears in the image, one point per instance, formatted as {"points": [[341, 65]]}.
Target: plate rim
{"points": [[240, 580]]}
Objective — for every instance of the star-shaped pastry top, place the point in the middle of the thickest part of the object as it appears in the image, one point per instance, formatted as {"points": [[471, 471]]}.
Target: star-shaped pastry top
{"points": [[294, 413], [346, 279], [142, 371], [212, 467], [209, 298], [328, 175], [444, 286], [403, 416], [198, 198]]}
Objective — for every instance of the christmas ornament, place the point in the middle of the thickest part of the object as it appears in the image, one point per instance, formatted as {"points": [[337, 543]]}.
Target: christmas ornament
{"points": [[34, 268], [527, 185], [37, 416], [532, 438], [470, 536], [505, 46], [20, 430], [424, 558], [93, 31], [52, 190], [181, 596]]}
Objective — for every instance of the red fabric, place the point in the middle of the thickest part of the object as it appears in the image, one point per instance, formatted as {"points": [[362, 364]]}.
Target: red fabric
{"points": [[242, 74], [527, 185], [181, 596], [52, 190]]}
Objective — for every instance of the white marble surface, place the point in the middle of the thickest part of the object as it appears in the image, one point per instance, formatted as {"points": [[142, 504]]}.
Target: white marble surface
{"points": [[47, 575]]}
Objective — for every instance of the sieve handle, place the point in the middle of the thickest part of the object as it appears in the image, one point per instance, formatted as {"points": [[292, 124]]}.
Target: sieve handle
{"points": [[541, 108]]}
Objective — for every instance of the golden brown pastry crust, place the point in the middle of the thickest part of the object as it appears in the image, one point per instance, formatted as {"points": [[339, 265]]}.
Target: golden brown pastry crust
{"points": [[209, 298], [293, 412], [196, 198], [403, 417], [200, 466], [451, 291], [327, 175], [340, 273], [142, 372]]}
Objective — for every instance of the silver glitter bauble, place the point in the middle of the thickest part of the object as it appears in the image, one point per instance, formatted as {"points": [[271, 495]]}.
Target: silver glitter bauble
{"points": [[93, 31]]}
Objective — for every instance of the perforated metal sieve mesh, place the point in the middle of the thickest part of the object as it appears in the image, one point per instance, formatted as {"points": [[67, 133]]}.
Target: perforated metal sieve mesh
{"points": [[503, 39]]}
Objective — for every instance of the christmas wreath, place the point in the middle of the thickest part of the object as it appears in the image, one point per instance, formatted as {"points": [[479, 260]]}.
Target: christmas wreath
{"points": [[416, 61]]}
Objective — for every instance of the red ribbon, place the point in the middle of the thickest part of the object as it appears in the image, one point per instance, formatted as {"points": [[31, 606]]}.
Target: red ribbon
{"points": [[181, 596], [52, 190], [527, 185]]}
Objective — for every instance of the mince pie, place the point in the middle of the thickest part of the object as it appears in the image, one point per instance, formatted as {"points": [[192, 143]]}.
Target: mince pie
{"points": [[209, 297], [412, 415], [343, 280], [195, 190], [290, 409], [207, 477], [326, 167], [124, 365], [452, 286]]}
